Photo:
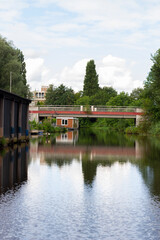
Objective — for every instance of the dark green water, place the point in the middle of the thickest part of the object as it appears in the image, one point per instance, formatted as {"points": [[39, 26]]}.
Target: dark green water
{"points": [[81, 185]]}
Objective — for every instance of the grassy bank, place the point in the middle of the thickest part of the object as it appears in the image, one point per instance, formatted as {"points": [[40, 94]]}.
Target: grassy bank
{"points": [[122, 125]]}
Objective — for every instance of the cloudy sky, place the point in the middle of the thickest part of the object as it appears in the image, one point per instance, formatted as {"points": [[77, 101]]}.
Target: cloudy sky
{"points": [[58, 38]]}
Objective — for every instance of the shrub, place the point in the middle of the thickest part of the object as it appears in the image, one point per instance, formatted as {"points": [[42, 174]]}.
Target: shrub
{"points": [[132, 130], [155, 129]]}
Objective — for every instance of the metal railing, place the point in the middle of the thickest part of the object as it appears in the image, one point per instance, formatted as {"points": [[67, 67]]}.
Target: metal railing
{"points": [[88, 108]]}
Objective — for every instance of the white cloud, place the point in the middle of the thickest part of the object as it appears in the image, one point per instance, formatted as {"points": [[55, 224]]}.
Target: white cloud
{"points": [[37, 72], [112, 71], [58, 31], [115, 73], [73, 76]]}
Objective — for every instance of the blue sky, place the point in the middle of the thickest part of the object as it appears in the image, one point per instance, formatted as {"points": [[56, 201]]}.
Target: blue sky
{"points": [[58, 37]]}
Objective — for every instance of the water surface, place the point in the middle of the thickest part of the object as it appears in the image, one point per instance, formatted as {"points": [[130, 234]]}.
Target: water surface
{"points": [[81, 185]]}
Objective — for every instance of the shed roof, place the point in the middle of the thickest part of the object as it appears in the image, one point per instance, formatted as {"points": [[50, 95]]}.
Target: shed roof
{"points": [[13, 97]]}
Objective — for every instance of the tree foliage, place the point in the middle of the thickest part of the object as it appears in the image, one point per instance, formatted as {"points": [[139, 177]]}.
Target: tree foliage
{"points": [[59, 95], [91, 85], [12, 60], [137, 97], [102, 96], [152, 88], [122, 99]]}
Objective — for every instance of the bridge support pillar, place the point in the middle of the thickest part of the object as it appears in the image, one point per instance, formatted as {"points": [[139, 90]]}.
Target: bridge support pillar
{"points": [[81, 108], [34, 116], [1, 117], [138, 117]]}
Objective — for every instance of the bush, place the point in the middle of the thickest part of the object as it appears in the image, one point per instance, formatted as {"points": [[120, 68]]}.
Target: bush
{"points": [[2, 142], [46, 125], [155, 129], [132, 130]]}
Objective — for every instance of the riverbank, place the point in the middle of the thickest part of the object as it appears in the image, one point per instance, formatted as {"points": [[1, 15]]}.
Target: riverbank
{"points": [[126, 126]]}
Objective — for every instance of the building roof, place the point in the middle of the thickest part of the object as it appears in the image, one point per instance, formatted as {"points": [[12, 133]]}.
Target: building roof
{"points": [[12, 96]]}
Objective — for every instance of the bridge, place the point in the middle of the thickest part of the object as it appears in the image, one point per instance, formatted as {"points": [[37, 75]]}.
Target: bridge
{"points": [[85, 112]]}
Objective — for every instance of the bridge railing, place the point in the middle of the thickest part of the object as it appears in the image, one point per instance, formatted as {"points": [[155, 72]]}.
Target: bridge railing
{"points": [[114, 109], [60, 108], [88, 108]]}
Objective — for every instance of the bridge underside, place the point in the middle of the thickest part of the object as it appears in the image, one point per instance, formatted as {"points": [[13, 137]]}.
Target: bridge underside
{"points": [[90, 115]]}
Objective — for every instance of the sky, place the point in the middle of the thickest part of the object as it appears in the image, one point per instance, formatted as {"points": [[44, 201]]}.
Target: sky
{"points": [[59, 37]]}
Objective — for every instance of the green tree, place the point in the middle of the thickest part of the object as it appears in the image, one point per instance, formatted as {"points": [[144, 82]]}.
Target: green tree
{"points": [[12, 60], [137, 97], [85, 100], [152, 88], [91, 85], [102, 96], [122, 99], [77, 96], [59, 95]]}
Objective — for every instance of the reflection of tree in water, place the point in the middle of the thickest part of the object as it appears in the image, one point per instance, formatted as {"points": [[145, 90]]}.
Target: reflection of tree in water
{"points": [[101, 137], [89, 168], [149, 166], [58, 161]]}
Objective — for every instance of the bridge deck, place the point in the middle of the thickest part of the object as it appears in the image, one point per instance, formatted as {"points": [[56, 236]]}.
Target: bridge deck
{"points": [[82, 111]]}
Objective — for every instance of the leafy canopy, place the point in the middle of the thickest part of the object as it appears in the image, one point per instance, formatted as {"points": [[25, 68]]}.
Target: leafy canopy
{"points": [[12, 60], [152, 88], [59, 95]]}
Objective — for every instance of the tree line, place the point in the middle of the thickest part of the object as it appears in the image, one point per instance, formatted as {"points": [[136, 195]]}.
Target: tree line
{"points": [[92, 93]]}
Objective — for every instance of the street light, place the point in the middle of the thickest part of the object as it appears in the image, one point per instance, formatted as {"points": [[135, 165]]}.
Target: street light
{"points": [[10, 81]]}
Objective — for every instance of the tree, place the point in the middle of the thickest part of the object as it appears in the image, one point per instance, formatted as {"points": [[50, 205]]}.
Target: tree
{"points": [[91, 85], [59, 95], [122, 99], [102, 96], [12, 60], [152, 88], [85, 100], [137, 97]]}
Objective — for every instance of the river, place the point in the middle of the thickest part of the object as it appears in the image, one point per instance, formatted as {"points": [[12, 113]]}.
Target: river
{"points": [[81, 185]]}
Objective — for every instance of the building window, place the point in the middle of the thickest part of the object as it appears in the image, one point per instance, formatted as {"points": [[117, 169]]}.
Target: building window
{"points": [[64, 122], [64, 136]]}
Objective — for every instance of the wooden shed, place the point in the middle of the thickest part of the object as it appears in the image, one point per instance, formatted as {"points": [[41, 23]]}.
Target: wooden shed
{"points": [[67, 122]]}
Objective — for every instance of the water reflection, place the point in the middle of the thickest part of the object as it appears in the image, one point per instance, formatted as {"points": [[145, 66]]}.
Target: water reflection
{"points": [[149, 165], [98, 185], [88, 148], [99, 148], [13, 167]]}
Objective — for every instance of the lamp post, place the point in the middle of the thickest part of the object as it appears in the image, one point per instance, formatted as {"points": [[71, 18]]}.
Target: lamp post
{"points": [[10, 81]]}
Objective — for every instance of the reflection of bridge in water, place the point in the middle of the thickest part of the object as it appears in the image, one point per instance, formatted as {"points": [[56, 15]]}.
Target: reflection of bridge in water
{"points": [[90, 152], [90, 157]]}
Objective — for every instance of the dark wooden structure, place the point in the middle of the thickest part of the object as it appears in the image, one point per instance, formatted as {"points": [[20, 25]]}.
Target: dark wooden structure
{"points": [[14, 113], [13, 166]]}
